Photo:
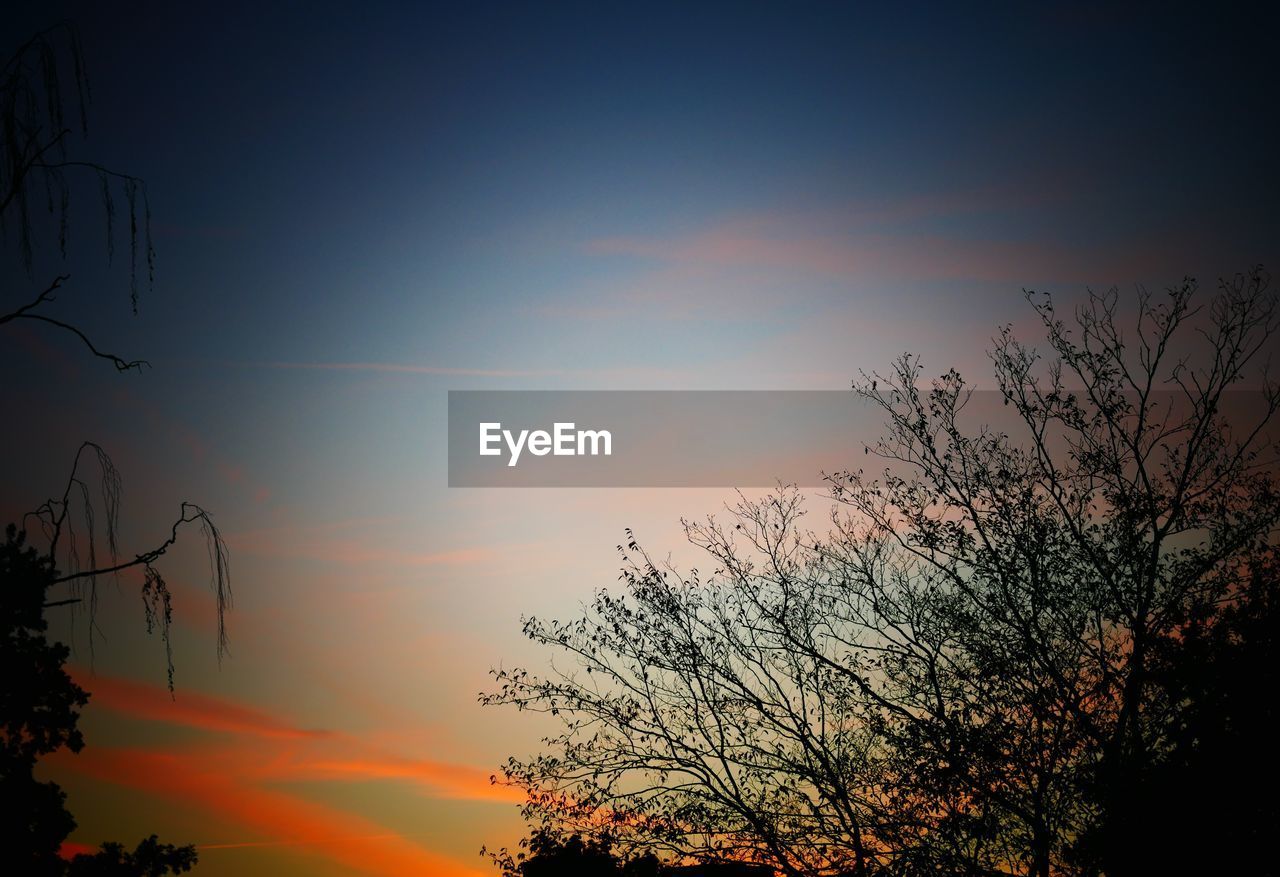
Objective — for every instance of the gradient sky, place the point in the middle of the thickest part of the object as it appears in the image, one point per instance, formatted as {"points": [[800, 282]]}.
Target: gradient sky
{"points": [[357, 209]]}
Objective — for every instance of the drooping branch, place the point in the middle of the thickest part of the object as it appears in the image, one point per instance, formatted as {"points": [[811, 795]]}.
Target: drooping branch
{"points": [[26, 312], [58, 523], [120, 364], [35, 160]]}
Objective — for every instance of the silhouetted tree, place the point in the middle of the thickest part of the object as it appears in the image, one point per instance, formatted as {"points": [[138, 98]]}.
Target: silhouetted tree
{"points": [[39, 708], [44, 101], [983, 657], [36, 168], [44, 95], [1203, 803], [149, 859], [546, 853], [39, 713]]}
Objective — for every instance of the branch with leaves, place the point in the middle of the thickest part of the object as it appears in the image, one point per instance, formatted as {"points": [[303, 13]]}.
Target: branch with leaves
{"points": [[35, 165], [955, 678], [69, 524], [42, 83]]}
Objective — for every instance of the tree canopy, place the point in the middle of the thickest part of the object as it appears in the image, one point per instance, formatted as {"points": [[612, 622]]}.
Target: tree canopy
{"points": [[44, 95], [39, 714], [1029, 650]]}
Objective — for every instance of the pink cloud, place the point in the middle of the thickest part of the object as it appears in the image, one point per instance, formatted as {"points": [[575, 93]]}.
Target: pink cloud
{"points": [[399, 368], [144, 701], [350, 543], [236, 775], [285, 819], [455, 781], [301, 753], [880, 255]]}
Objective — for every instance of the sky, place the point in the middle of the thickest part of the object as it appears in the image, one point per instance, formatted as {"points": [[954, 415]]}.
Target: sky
{"points": [[359, 207]]}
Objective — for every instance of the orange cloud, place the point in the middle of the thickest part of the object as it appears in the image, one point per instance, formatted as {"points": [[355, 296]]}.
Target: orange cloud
{"points": [[455, 781], [235, 777], [288, 819], [144, 701], [70, 850], [325, 755]]}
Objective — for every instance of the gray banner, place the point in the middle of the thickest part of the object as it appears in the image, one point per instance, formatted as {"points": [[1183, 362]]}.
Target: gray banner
{"points": [[686, 438]]}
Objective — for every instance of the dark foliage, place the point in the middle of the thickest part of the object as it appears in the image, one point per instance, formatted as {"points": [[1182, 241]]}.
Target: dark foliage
{"points": [[44, 97], [1205, 804], [547, 854], [39, 708], [39, 712], [149, 859], [44, 105], [1041, 648]]}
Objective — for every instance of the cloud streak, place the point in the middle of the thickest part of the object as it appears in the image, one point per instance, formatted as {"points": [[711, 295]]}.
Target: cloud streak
{"points": [[359, 542], [402, 368], [140, 700], [287, 819], [235, 777], [881, 255]]}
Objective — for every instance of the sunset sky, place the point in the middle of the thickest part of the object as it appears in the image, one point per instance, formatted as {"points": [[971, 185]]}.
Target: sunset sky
{"points": [[359, 209]]}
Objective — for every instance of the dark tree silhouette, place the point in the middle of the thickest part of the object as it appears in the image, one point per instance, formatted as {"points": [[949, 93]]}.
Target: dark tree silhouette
{"points": [[1004, 655], [42, 84], [44, 103], [1203, 805], [149, 859], [36, 167], [57, 521], [547, 854], [39, 708], [544, 854], [39, 713]]}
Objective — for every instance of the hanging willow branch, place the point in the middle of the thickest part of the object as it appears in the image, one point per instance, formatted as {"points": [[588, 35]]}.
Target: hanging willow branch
{"points": [[35, 165], [26, 312], [38, 83], [69, 524]]}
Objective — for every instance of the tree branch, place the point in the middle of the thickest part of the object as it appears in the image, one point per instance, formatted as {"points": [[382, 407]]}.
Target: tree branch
{"points": [[43, 297], [120, 364]]}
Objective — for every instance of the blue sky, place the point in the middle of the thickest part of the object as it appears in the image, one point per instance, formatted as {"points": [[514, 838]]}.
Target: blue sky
{"points": [[358, 208]]}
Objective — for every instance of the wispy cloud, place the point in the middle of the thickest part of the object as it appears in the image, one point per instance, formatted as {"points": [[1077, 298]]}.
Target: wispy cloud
{"points": [[455, 781], [356, 542], [314, 753], [776, 264], [144, 701], [236, 775], [882, 255], [285, 819], [404, 368]]}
